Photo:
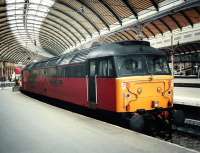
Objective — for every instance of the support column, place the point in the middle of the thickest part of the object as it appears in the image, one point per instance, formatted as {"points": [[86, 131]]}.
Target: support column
{"points": [[1, 69], [172, 55]]}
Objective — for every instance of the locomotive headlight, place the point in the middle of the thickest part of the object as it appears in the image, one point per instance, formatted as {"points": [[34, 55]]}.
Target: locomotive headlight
{"points": [[171, 84], [155, 104], [159, 89], [139, 90], [124, 85]]}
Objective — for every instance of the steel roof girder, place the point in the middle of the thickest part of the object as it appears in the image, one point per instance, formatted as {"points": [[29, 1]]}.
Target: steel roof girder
{"points": [[89, 21], [175, 21], [133, 10], [187, 18], [112, 12], [155, 4], [165, 24], [99, 16]]}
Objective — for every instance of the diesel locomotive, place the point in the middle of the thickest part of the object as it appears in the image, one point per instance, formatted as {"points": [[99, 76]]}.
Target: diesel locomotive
{"points": [[129, 78]]}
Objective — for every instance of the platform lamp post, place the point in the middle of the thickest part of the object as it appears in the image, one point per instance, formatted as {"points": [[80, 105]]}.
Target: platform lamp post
{"points": [[172, 55], [2, 69], [172, 49]]}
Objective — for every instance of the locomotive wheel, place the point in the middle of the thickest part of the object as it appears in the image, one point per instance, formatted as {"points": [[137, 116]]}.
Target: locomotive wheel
{"points": [[136, 123], [178, 117]]}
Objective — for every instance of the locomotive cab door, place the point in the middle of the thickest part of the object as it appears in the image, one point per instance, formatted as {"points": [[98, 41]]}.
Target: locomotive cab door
{"points": [[92, 84]]}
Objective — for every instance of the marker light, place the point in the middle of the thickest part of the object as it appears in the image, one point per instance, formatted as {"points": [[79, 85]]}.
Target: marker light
{"points": [[155, 104], [139, 90]]}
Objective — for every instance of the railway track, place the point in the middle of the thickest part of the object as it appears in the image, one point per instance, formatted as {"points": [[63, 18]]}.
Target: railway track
{"points": [[191, 126], [188, 135]]}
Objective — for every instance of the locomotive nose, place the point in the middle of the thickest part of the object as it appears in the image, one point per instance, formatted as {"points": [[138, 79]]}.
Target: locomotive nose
{"points": [[147, 94], [146, 88]]}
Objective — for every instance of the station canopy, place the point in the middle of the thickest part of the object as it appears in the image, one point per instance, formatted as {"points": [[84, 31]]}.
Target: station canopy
{"points": [[34, 29]]}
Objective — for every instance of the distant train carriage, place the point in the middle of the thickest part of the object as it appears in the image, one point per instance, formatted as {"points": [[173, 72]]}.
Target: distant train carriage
{"points": [[128, 77]]}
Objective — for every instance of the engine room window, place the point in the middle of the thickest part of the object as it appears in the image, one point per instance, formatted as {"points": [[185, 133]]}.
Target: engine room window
{"points": [[110, 68], [92, 68], [105, 68]]}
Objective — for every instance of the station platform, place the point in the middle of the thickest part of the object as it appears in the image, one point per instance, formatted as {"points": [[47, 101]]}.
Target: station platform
{"points": [[186, 80], [187, 96], [187, 91], [189, 82], [30, 126]]}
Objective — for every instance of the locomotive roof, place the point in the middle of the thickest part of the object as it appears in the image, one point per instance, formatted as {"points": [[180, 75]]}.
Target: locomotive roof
{"points": [[124, 48], [113, 49]]}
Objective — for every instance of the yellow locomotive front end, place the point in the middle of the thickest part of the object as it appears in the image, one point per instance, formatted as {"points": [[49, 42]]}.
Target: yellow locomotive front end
{"points": [[137, 93], [144, 90]]}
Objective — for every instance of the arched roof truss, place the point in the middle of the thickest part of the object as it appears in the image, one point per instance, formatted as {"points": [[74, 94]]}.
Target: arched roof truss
{"points": [[56, 26]]}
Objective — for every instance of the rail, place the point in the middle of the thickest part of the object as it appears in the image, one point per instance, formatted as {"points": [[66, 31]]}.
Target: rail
{"points": [[191, 126]]}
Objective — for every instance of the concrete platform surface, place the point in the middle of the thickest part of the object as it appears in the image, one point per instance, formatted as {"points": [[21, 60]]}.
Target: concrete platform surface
{"points": [[30, 126], [187, 80], [187, 96]]}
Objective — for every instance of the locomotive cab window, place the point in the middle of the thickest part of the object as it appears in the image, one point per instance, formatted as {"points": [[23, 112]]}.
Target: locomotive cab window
{"points": [[131, 65], [142, 65], [158, 65]]}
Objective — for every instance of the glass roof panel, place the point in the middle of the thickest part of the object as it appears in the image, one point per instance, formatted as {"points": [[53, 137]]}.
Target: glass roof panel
{"points": [[43, 8], [10, 7], [18, 11], [25, 19], [20, 17], [19, 1], [19, 6], [34, 22], [42, 14], [47, 2], [21, 30], [12, 12], [18, 21], [11, 18], [12, 22], [33, 12], [20, 27], [13, 28], [33, 6], [10, 1], [31, 17], [35, 1]]}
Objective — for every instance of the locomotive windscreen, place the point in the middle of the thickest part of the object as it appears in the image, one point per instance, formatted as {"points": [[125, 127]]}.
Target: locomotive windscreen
{"points": [[142, 65]]}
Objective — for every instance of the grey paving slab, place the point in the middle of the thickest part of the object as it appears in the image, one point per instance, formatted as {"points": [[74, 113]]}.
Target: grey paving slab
{"points": [[187, 96], [189, 80], [30, 126]]}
